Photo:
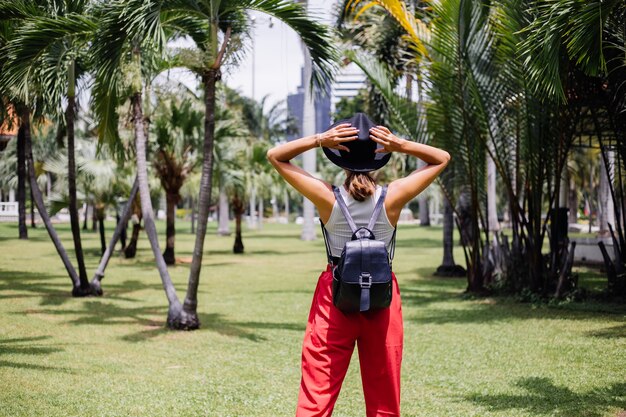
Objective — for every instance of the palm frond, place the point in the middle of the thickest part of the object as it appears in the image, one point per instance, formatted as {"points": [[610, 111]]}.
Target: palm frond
{"points": [[417, 30]]}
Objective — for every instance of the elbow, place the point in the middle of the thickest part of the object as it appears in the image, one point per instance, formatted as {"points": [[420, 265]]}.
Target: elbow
{"points": [[270, 156], [446, 158]]}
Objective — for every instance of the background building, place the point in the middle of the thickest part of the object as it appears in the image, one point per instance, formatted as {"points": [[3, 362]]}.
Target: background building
{"points": [[347, 84], [295, 107]]}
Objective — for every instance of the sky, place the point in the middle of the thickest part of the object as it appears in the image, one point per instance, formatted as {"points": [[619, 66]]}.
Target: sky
{"points": [[277, 57]]}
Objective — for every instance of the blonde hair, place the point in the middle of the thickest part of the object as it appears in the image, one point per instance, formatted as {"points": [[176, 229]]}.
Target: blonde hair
{"points": [[360, 185]]}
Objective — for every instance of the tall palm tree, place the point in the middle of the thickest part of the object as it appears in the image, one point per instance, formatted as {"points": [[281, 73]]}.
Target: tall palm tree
{"points": [[49, 48], [129, 33], [130, 43], [28, 96], [204, 21]]}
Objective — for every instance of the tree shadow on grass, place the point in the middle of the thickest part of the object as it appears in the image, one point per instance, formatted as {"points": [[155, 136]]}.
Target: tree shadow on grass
{"points": [[425, 291], [34, 284], [101, 312], [32, 237], [491, 310], [217, 323], [23, 284], [615, 332], [28, 346], [468, 309], [543, 397]]}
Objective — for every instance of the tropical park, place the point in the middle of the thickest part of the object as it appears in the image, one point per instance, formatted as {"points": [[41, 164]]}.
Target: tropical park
{"points": [[159, 258]]}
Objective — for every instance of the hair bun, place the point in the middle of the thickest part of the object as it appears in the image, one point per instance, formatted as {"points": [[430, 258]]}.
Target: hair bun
{"points": [[360, 185]]}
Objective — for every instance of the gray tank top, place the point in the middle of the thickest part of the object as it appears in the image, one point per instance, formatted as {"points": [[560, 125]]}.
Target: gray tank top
{"points": [[361, 211]]}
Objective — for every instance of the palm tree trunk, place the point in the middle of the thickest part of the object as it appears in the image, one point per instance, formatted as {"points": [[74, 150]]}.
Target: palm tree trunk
{"points": [[94, 218], [147, 212], [131, 249], [239, 210], [492, 212], [71, 180], [121, 226], [21, 183], [77, 290], [448, 267], [190, 319], [170, 229], [223, 228], [103, 243], [86, 215], [32, 211], [122, 237], [605, 201]]}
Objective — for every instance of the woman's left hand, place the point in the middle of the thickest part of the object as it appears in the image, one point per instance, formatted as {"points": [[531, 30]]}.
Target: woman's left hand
{"points": [[390, 142]]}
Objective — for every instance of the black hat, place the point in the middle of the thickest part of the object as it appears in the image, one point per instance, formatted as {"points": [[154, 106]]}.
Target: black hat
{"points": [[361, 157]]}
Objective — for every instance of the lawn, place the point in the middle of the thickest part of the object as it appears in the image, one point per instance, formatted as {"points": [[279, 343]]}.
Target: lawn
{"points": [[112, 356]]}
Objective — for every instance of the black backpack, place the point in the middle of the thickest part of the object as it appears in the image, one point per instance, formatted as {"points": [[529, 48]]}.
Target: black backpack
{"points": [[362, 275]]}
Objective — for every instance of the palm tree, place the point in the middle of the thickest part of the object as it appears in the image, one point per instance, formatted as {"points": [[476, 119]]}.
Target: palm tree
{"points": [[230, 129], [232, 150], [231, 18], [203, 21], [177, 127], [129, 32], [130, 43], [478, 104], [48, 48], [567, 38], [26, 97]]}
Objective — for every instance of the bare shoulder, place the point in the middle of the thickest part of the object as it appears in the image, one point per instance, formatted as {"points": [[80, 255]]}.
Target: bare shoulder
{"points": [[393, 206]]}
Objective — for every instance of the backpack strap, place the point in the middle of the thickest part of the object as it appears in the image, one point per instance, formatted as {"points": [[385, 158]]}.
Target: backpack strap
{"points": [[365, 279], [344, 209], [392, 250], [378, 208], [325, 234]]}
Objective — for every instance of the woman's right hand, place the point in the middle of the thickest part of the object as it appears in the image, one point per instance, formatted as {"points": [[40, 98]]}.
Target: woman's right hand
{"points": [[333, 138], [389, 141]]}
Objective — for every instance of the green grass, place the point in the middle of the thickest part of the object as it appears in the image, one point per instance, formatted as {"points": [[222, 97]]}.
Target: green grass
{"points": [[112, 356]]}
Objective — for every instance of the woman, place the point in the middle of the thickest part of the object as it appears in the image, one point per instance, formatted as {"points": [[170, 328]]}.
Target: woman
{"points": [[358, 146]]}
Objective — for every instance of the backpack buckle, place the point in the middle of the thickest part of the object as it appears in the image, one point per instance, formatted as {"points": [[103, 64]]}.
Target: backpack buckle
{"points": [[365, 280]]}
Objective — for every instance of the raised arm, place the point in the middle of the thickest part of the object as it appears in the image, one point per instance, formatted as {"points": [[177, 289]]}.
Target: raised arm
{"points": [[403, 190], [319, 192]]}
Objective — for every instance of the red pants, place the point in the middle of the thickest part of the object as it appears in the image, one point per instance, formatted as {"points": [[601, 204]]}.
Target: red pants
{"points": [[328, 346]]}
